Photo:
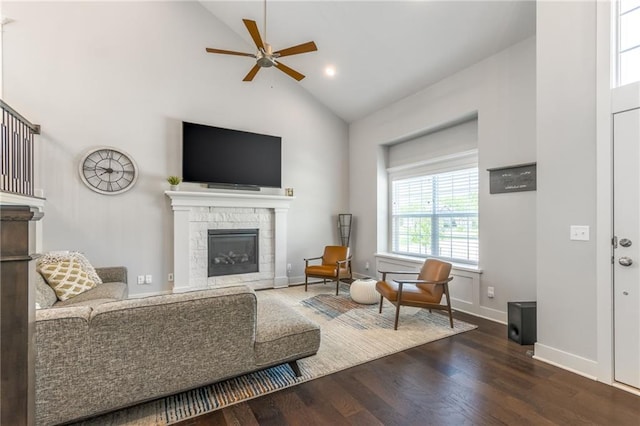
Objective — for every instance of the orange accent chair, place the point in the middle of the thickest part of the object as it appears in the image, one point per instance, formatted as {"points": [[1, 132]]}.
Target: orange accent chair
{"points": [[335, 265], [424, 292]]}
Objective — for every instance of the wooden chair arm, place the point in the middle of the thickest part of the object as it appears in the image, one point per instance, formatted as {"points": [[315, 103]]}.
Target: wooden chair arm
{"points": [[306, 261], [400, 272], [423, 282], [384, 273]]}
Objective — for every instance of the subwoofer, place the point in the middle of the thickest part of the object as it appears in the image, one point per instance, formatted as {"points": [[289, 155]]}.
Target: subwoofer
{"points": [[521, 327]]}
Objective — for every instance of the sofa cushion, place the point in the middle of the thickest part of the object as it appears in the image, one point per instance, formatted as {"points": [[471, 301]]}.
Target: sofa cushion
{"points": [[45, 296], [66, 278], [106, 292], [283, 335]]}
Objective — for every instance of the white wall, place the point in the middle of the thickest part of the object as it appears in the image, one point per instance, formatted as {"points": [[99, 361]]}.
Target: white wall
{"points": [[566, 109], [125, 74], [501, 90]]}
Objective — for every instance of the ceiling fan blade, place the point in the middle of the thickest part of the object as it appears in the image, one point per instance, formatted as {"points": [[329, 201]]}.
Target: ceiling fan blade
{"points": [[296, 50], [252, 27], [230, 52], [252, 73], [290, 72]]}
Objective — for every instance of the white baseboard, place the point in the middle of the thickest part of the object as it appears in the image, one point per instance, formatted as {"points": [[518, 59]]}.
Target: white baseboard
{"points": [[626, 388], [280, 282], [582, 366], [359, 276], [485, 313], [296, 280]]}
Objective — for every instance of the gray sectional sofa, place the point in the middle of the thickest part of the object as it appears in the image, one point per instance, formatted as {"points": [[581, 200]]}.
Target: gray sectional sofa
{"points": [[94, 357]]}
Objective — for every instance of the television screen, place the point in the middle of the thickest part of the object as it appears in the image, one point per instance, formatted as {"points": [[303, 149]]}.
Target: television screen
{"points": [[214, 155]]}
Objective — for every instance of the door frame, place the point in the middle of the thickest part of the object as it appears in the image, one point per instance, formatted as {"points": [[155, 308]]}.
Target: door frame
{"points": [[604, 192]]}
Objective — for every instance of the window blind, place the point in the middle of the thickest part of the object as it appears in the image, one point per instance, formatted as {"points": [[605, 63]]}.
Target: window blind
{"points": [[436, 215]]}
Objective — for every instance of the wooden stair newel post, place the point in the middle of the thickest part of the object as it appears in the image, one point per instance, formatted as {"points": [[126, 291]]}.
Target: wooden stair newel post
{"points": [[16, 318]]}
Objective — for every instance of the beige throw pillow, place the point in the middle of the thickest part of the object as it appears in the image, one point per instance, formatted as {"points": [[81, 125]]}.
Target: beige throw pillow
{"points": [[59, 256], [67, 278]]}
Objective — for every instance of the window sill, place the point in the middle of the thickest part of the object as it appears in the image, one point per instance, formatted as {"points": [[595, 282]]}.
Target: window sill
{"points": [[420, 260]]}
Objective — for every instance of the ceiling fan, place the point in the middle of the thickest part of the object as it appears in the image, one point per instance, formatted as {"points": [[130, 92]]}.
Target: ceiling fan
{"points": [[265, 56]]}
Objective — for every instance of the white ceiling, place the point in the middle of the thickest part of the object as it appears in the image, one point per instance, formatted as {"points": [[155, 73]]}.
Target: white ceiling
{"points": [[383, 51]]}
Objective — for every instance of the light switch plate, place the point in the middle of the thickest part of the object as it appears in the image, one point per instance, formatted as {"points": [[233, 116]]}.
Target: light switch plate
{"points": [[579, 233]]}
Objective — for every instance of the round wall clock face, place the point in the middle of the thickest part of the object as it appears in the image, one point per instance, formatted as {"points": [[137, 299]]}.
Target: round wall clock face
{"points": [[108, 170]]}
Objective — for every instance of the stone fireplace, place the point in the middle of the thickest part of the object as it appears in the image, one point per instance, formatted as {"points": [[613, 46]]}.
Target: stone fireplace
{"points": [[199, 215]]}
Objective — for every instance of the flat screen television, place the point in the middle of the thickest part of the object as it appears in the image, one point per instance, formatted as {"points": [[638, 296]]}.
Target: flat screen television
{"points": [[230, 158]]}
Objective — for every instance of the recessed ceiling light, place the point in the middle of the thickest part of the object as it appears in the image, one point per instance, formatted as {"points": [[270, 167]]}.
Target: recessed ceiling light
{"points": [[330, 71]]}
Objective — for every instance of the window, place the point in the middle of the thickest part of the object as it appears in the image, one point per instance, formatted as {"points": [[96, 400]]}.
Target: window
{"points": [[628, 41], [436, 215]]}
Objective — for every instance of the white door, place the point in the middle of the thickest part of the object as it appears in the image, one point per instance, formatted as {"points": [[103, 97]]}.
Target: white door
{"points": [[626, 228]]}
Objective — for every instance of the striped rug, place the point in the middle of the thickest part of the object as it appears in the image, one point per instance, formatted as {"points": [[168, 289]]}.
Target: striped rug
{"points": [[351, 334]]}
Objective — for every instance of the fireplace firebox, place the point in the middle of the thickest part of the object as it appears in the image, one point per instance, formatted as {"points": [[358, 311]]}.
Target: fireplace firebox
{"points": [[233, 251]]}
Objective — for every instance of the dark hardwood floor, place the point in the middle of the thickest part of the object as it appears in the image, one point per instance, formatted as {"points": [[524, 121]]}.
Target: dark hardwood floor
{"points": [[474, 378]]}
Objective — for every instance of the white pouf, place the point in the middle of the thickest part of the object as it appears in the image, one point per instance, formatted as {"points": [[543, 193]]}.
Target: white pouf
{"points": [[364, 291]]}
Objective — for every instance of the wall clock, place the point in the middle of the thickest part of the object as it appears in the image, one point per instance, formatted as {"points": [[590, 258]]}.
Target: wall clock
{"points": [[108, 170]]}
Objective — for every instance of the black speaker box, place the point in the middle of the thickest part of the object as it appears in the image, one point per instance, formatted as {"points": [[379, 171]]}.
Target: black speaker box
{"points": [[521, 327]]}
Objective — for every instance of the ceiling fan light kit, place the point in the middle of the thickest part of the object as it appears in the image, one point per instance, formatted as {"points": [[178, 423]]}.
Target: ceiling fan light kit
{"points": [[265, 56]]}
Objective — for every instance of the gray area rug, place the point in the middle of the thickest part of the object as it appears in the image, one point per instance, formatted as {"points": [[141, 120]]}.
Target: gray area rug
{"points": [[351, 333]]}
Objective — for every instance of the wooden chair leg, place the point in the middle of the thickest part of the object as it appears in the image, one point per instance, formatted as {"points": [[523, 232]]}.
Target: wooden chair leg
{"points": [[380, 310], [305, 282], [337, 285], [398, 303], [395, 325], [446, 292]]}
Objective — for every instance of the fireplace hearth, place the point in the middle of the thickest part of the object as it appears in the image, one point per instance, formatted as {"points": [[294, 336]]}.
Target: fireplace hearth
{"points": [[233, 251]]}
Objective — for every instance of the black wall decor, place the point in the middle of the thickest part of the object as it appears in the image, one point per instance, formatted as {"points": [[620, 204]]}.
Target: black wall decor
{"points": [[521, 177]]}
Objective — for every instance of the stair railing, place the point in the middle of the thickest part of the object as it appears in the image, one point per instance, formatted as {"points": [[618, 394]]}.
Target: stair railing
{"points": [[16, 152]]}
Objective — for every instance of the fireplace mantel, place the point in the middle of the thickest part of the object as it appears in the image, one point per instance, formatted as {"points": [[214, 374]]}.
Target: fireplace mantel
{"points": [[227, 199], [184, 203]]}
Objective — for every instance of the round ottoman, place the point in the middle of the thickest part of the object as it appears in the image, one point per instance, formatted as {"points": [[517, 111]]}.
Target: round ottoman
{"points": [[364, 292]]}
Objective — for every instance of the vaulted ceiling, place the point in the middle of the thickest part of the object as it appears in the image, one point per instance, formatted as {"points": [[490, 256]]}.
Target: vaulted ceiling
{"points": [[382, 51]]}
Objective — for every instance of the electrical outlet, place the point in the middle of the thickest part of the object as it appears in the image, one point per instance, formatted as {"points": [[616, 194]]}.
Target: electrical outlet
{"points": [[366, 266], [148, 279], [170, 277], [490, 292], [288, 267], [140, 279]]}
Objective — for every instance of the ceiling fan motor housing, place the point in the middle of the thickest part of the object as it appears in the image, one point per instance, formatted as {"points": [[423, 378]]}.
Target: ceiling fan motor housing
{"points": [[265, 57], [265, 61]]}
